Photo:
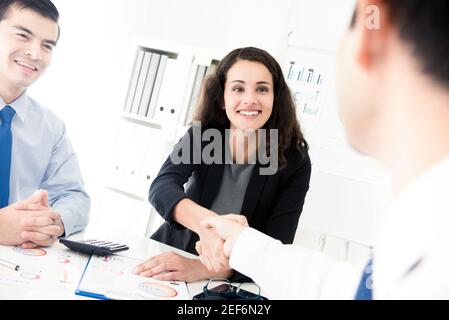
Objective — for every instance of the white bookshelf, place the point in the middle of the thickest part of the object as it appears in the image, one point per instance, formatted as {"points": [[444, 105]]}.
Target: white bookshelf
{"points": [[145, 137]]}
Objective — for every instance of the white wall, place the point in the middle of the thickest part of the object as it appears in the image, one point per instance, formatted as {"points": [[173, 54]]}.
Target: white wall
{"points": [[348, 192], [86, 85], [320, 23]]}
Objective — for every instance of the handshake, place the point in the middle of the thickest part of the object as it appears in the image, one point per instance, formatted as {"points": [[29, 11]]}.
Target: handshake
{"points": [[217, 239]]}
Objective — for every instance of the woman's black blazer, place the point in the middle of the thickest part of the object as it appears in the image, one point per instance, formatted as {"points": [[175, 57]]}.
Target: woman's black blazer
{"points": [[272, 204]]}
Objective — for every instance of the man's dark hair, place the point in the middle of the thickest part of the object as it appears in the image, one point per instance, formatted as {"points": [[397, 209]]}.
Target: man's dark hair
{"points": [[424, 25], [44, 7]]}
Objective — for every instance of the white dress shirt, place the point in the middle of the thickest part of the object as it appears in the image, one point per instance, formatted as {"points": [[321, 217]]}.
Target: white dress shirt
{"points": [[42, 157], [411, 257]]}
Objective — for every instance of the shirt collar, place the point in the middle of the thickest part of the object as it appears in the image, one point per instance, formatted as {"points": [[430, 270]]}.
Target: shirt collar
{"points": [[20, 105]]}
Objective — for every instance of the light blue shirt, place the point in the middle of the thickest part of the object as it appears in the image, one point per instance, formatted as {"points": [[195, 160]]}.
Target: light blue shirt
{"points": [[42, 157]]}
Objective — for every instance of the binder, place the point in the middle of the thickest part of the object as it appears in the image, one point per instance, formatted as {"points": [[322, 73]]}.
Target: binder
{"points": [[133, 160], [152, 161], [121, 149], [211, 69], [134, 79], [157, 86], [141, 83], [196, 90], [166, 109], [149, 84]]}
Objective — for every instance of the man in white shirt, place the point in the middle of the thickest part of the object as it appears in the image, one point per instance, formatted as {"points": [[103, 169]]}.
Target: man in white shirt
{"points": [[35, 151], [393, 90]]}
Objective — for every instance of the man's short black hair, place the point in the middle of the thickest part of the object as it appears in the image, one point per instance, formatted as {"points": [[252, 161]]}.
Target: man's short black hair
{"points": [[44, 7], [424, 25]]}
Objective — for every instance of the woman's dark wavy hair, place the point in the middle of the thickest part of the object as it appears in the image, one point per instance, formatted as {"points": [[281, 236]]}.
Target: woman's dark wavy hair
{"points": [[211, 114]]}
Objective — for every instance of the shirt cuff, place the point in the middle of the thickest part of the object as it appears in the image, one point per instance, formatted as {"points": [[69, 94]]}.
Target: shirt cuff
{"points": [[74, 214]]}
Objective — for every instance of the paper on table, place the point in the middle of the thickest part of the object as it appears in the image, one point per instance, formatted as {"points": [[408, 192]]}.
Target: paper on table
{"points": [[111, 277], [49, 268]]}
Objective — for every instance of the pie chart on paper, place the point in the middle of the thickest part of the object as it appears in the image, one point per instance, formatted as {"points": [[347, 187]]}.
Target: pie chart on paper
{"points": [[37, 252], [158, 290]]}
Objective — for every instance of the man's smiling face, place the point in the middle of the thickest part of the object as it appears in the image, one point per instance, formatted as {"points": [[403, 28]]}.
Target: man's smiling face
{"points": [[27, 40]]}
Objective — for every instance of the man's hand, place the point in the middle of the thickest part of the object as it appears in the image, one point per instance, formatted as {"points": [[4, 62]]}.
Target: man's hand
{"points": [[10, 227], [212, 251], [41, 231], [44, 226], [37, 201], [228, 227], [31, 223]]}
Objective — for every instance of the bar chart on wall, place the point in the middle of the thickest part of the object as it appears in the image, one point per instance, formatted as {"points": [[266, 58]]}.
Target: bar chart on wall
{"points": [[354, 185]]}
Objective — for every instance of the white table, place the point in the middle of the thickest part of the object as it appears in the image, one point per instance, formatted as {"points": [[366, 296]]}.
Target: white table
{"points": [[140, 247]]}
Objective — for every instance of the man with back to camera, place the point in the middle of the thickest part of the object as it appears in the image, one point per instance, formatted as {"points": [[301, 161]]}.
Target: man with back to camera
{"points": [[393, 90], [41, 189]]}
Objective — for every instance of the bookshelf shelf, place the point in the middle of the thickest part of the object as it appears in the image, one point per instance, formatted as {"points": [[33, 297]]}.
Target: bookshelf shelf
{"points": [[140, 120]]}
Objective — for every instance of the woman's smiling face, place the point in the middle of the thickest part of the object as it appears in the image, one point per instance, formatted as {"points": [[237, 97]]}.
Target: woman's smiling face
{"points": [[249, 95]]}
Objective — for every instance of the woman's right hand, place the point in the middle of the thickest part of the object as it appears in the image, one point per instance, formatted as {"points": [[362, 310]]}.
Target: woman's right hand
{"points": [[212, 252]]}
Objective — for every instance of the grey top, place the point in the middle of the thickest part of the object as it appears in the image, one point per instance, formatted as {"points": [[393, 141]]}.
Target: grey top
{"points": [[232, 190]]}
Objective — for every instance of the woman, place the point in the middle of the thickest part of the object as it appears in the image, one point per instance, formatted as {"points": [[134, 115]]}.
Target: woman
{"points": [[247, 94]]}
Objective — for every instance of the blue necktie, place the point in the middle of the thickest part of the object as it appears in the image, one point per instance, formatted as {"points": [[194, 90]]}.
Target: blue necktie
{"points": [[365, 292], [6, 114]]}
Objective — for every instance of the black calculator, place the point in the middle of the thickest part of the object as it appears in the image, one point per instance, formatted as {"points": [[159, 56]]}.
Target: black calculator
{"points": [[97, 247]]}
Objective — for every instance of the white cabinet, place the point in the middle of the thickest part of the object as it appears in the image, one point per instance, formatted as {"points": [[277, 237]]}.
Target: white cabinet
{"points": [[164, 87]]}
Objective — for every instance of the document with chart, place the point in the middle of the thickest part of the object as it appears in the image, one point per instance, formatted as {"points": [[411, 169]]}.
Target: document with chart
{"points": [[111, 278], [48, 270]]}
